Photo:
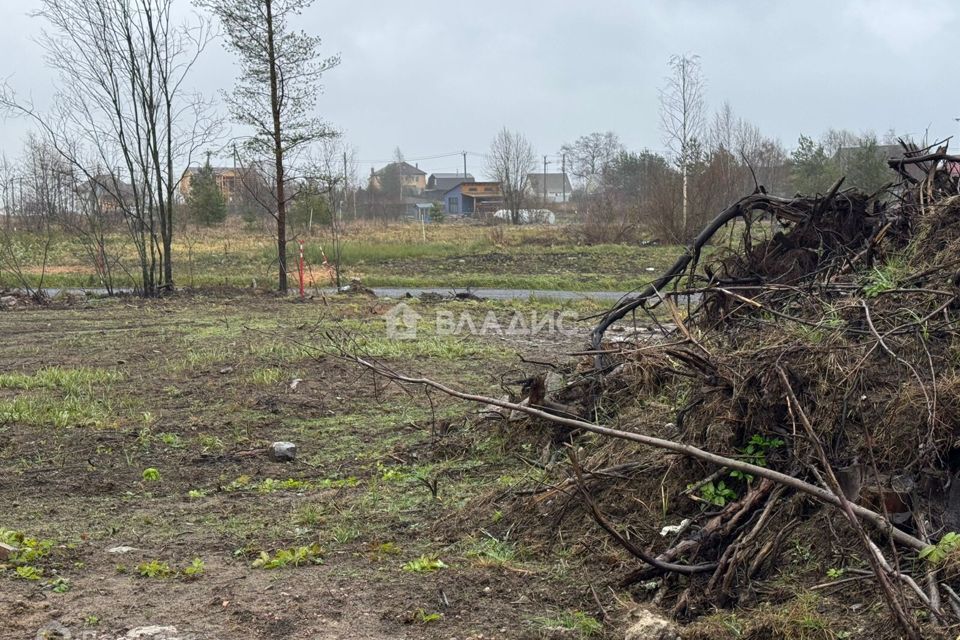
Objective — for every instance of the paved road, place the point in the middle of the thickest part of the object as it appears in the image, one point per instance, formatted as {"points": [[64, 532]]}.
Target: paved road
{"points": [[504, 294], [399, 292]]}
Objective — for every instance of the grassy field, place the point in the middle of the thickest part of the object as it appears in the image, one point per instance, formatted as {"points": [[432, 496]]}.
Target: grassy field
{"points": [[452, 255], [133, 474]]}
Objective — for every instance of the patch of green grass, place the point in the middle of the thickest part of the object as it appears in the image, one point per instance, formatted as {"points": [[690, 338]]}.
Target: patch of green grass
{"points": [[490, 551], [266, 376], [70, 381], [281, 351], [585, 626], [344, 533], [172, 440], [210, 443], [441, 347], [46, 410], [271, 485]]}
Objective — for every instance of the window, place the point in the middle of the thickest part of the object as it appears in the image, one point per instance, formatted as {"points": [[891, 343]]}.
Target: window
{"points": [[453, 205]]}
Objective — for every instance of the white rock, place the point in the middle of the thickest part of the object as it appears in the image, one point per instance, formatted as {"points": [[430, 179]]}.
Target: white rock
{"points": [[121, 549], [154, 632], [646, 625], [283, 451], [6, 551]]}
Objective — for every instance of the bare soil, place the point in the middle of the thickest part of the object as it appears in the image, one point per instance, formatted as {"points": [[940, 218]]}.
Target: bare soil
{"points": [[199, 388]]}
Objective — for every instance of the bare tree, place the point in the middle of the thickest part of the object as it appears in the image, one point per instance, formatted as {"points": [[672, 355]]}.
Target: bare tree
{"points": [[510, 162], [589, 156], [276, 92], [682, 118], [123, 117], [333, 167]]}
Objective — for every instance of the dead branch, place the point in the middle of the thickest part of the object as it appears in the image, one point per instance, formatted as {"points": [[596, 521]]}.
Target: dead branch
{"points": [[879, 521]]}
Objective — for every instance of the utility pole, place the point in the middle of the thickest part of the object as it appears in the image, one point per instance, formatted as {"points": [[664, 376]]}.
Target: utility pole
{"points": [[544, 182], [464, 166], [563, 175]]}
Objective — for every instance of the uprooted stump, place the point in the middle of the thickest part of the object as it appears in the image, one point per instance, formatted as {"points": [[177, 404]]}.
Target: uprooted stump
{"points": [[823, 345]]}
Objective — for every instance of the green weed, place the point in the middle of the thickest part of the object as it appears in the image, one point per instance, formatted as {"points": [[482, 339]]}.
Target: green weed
{"points": [[298, 556], [155, 569], [424, 564]]}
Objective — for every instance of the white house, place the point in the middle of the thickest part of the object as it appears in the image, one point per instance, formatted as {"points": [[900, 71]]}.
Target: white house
{"points": [[558, 188]]}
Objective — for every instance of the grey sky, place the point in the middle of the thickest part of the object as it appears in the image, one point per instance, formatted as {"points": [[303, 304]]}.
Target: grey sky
{"points": [[436, 76]]}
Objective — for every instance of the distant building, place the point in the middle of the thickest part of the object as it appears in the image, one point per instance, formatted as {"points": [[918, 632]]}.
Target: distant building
{"points": [[412, 179], [229, 181], [558, 187], [413, 206], [439, 183], [106, 193], [469, 198]]}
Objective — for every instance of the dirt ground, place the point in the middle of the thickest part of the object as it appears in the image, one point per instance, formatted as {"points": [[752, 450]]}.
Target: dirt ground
{"points": [[144, 425]]}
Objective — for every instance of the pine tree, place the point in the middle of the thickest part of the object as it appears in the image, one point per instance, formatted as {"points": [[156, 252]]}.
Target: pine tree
{"points": [[205, 201]]}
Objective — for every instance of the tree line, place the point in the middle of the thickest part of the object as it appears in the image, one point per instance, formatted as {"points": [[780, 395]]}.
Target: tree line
{"points": [[108, 153]]}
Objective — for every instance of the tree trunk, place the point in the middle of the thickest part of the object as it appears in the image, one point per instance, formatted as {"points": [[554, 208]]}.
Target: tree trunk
{"points": [[278, 154], [683, 232]]}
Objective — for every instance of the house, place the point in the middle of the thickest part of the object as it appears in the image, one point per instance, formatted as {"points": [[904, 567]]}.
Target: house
{"points": [[410, 177], [558, 187], [229, 181], [439, 183], [468, 198], [447, 181], [106, 193]]}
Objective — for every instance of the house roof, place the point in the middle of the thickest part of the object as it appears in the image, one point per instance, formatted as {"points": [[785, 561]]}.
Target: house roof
{"points": [[446, 181], [556, 182], [106, 184], [404, 168], [451, 175], [216, 170]]}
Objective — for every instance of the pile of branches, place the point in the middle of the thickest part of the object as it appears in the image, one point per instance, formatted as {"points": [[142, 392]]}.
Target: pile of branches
{"points": [[827, 352], [813, 364]]}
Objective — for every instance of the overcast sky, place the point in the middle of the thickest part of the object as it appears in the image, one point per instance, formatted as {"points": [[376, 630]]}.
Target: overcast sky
{"points": [[437, 77]]}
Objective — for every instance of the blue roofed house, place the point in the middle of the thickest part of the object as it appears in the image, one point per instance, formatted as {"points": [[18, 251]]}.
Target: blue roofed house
{"points": [[471, 198], [439, 183]]}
